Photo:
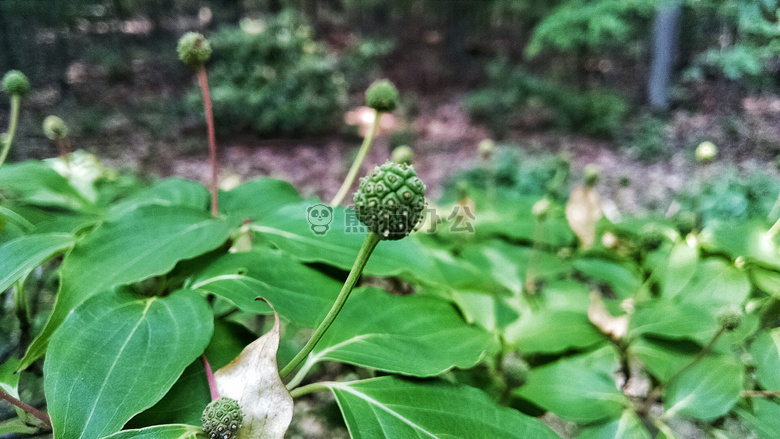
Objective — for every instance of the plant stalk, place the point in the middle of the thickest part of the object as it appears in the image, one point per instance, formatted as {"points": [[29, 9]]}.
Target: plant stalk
{"points": [[210, 377], [369, 244], [203, 82], [361, 156], [309, 388], [27, 408], [16, 101]]}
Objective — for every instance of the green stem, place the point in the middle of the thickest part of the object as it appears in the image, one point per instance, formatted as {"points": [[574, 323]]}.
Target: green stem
{"points": [[361, 155], [775, 228], [15, 104], [369, 244], [310, 388], [706, 350]]}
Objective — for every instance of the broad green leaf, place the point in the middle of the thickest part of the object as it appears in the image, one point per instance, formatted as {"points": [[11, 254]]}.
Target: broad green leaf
{"points": [[764, 418], [258, 198], [663, 358], [749, 240], [172, 191], [135, 350], [389, 407], [677, 269], [410, 335], [299, 293], [706, 390], [9, 383], [766, 355], [288, 228], [16, 426], [676, 321], [144, 243], [184, 403], [553, 331], [716, 284], [490, 312], [174, 431], [629, 426], [565, 295], [577, 389], [767, 280], [624, 279], [253, 380], [22, 255], [36, 183]]}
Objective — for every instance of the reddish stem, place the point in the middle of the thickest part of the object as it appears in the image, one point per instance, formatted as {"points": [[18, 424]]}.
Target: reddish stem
{"points": [[210, 378], [204, 87], [27, 408]]}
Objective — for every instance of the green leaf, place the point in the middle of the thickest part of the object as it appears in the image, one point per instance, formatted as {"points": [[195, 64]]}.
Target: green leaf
{"points": [[716, 284], [172, 191], [16, 426], [766, 280], [677, 269], [393, 408], [136, 349], [629, 426], [411, 335], [706, 390], [578, 389], [552, 331], [299, 293], [143, 243], [666, 319], [258, 199], [766, 356], [9, 383], [34, 182], [663, 358], [764, 418], [23, 254], [749, 240], [175, 431], [624, 279], [289, 229]]}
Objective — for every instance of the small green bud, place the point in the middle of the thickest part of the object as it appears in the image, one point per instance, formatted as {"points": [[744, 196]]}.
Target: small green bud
{"points": [[382, 96], [222, 418], [403, 154], [592, 175], [15, 83], [390, 200], [651, 237], [729, 317], [516, 370], [54, 128], [541, 208], [194, 49], [486, 149], [706, 151]]}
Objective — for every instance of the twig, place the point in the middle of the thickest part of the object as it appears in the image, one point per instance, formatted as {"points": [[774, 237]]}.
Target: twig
{"points": [[203, 82], [27, 408]]}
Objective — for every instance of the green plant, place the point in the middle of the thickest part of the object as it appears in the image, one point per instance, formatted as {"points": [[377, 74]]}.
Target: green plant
{"points": [[646, 138], [270, 76]]}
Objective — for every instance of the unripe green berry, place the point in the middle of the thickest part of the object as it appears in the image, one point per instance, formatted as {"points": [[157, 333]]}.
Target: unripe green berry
{"points": [[15, 83], [729, 318], [222, 418], [541, 208], [486, 149], [194, 49], [403, 154], [706, 151], [390, 200], [54, 128], [382, 96]]}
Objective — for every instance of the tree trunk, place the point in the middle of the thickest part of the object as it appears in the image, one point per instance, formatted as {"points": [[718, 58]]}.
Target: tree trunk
{"points": [[665, 51]]}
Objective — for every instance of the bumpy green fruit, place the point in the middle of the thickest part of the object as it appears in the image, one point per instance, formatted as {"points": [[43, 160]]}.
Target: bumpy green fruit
{"points": [[390, 200], [194, 49], [222, 418], [382, 96], [54, 128], [15, 83]]}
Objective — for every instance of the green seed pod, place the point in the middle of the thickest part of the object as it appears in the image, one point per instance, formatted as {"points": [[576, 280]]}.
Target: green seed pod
{"points": [[403, 154], [382, 96], [54, 128], [729, 318], [390, 200], [222, 418], [15, 83], [194, 49]]}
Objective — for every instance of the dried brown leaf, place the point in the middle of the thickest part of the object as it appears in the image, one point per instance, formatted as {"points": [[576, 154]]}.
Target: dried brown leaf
{"points": [[583, 211]]}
